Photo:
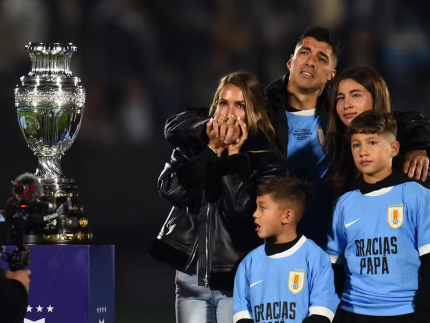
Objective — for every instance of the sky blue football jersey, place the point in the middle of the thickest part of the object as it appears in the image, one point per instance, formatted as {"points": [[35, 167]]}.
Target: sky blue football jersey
{"points": [[305, 153], [306, 158], [287, 286], [382, 236]]}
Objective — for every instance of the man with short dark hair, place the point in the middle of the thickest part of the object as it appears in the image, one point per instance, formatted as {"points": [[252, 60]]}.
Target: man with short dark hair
{"points": [[297, 103], [311, 67]]}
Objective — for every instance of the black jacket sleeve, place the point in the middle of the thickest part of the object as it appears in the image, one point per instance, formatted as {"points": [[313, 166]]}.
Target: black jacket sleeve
{"points": [[241, 174], [422, 296], [413, 131], [13, 300], [187, 128], [184, 177]]}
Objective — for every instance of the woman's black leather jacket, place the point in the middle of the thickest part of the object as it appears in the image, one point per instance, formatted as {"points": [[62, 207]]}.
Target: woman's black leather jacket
{"points": [[211, 223]]}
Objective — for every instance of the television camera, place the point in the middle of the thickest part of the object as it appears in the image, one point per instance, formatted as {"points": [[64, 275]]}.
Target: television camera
{"points": [[27, 212]]}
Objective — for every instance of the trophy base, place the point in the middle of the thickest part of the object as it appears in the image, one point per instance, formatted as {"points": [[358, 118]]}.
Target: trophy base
{"points": [[57, 190], [65, 238], [73, 228]]}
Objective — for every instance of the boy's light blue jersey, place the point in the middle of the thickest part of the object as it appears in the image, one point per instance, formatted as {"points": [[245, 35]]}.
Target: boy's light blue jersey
{"points": [[381, 235], [305, 153], [287, 286]]}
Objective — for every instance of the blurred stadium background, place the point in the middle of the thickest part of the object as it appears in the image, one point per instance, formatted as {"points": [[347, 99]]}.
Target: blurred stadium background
{"points": [[140, 59]]}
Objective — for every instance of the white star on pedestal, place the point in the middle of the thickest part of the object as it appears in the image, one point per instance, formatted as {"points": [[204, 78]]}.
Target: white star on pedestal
{"points": [[39, 308], [50, 308], [29, 308]]}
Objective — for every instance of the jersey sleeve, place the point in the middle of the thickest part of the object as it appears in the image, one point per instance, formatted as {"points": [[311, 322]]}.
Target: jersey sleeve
{"points": [[241, 297], [423, 223], [337, 241], [323, 298]]}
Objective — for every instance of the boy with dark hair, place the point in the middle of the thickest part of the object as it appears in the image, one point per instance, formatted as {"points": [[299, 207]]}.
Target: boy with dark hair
{"points": [[382, 230], [289, 278]]}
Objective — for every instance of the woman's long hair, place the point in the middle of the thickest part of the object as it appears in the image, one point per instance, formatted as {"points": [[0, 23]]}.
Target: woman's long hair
{"points": [[255, 103], [336, 143]]}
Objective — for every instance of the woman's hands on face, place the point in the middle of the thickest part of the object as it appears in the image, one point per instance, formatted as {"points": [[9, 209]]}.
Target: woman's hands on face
{"points": [[222, 131], [235, 147], [230, 131], [416, 164], [212, 130]]}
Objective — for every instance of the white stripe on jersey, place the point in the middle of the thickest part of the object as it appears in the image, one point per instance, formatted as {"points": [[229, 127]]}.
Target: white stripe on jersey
{"points": [[323, 311], [290, 251], [380, 192], [424, 249], [338, 260], [241, 315]]}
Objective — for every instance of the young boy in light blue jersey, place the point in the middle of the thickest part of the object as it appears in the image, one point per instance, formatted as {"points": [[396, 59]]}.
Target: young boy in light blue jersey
{"points": [[382, 230], [289, 278]]}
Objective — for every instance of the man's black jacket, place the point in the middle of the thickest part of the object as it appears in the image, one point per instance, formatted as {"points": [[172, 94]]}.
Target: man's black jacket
{"points": [[412, 128]]}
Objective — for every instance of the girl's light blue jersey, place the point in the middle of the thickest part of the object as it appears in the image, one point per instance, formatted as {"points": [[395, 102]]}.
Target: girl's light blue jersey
{"points": [[382, 236]]}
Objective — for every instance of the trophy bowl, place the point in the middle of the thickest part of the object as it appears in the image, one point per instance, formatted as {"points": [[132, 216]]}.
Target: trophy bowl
{"points": [[50, 103]]}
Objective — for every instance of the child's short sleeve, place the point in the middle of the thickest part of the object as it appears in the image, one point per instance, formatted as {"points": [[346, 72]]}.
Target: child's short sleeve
{"points": [[241, 297], [336, 238], [323, 298]]}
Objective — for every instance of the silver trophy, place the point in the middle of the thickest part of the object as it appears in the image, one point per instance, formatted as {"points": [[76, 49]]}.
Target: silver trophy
{"points": [[50, 103]]}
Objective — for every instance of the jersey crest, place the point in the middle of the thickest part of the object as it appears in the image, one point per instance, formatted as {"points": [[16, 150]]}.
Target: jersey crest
{"points": [[395, 215], [296, 280]]}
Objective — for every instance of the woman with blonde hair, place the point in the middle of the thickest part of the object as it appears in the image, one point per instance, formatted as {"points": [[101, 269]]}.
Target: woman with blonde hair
{"points": [[212, 186]]}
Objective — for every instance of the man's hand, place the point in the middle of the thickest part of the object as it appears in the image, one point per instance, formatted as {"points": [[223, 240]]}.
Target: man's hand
{"points": [[21, 276], [416, 163]]}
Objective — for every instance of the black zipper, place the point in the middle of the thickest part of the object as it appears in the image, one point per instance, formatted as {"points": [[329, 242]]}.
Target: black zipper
{"points": [[206, 279], [203, 244]]}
